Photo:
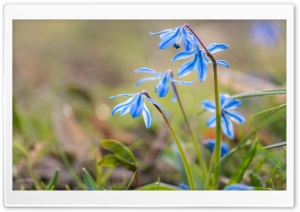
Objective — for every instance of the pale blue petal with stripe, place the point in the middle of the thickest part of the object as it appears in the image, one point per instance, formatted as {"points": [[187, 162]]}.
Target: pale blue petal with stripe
{"points": [[187, 68], [161, 32], [209, 105], [182, 55], [227, 126], [186, 42], [201, 67], [136, 108], [121, 106], [113, 97], [235, 116], [223, 99], [223, 63], [126, 107], [217, 47], [169, 40], [146, 79], [211, 122], [162, 87], [145, 70], [147, 116], [231, 104], [159, 105], [182, 83]]}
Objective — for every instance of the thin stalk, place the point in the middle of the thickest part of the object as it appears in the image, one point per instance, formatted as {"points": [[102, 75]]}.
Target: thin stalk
{"points": [[182, 153], [217, 150], [196, 146]]}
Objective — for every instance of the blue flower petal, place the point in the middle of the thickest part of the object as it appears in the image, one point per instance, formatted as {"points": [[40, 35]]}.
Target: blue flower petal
{"points": [[223, 98], [227, 126], [209, 105], [182, 55], [123, 105], [235, 116], [182, 83], [223, 63], [185, 40], [201, 66], [162, 87], [146, 79], [216, 47], [137, 107], [211, 122], [145, 70], [161, 32], [147, 116], [238, 187], [113, 97], [210, 145], [159, 105], [183, 186], [169, 40], [187, 68], [231, 104]]}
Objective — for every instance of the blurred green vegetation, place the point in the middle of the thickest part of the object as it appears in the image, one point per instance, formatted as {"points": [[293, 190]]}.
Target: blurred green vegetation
{"points": [[73, 67]]}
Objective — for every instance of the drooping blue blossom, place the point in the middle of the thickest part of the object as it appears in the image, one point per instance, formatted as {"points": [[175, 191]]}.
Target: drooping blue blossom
{"points": [[164, 78], [200, 60], [238, 187], [174, 37], [227, 114], [210, 145], [183, 186], [136, 106]]}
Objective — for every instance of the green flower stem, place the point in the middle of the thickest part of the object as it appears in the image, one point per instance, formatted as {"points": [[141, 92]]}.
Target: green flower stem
{"points": [[182, 153], [196, 146], [217, 150]]}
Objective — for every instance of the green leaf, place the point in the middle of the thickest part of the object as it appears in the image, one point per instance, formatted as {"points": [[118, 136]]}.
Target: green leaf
{"points": [[113, 161], [129, 184], [255, 179], [158, 186], [276, 169], [238, 175], [228, 155], [262, 189], [275, 145], [52, 182], [68, 188], [119, 149], [88, 180], [273, 109], [259, 93]]}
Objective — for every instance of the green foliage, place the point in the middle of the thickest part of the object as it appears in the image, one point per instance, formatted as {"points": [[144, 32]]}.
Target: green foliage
{"points": [[53, 180], [239, 173], [280, 144], [122, 155], [259, 93], [158, 186], [88, 180], [255, 179]]}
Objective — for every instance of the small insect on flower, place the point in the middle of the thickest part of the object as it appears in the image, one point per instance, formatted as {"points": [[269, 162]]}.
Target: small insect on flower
{"points": [[227, 114], [200, 61], [164, 78], [238, 187], [136, 106], [210, 145], [174, 37]]}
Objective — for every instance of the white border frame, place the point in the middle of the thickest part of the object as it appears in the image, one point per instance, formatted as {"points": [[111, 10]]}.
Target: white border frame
{"points": [[146, 198]]}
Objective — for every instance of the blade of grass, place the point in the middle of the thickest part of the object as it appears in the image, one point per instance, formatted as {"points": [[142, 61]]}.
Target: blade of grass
{"points": [[239, 173], [271, 182], [52, 182], [259, 93], [88, 180], [283, 106], [275, 145], [128, 186]]}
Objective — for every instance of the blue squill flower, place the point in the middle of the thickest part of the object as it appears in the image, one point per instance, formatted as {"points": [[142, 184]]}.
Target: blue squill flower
{"points": [[183, 186], [238, 187], [265, 33], [164, 78], [200, 61], [136, 106], [174, 37], [227, 114], [210, 145]]}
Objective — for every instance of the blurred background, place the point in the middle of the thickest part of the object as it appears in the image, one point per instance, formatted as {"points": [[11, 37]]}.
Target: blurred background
{"points": [[65, 71]]}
